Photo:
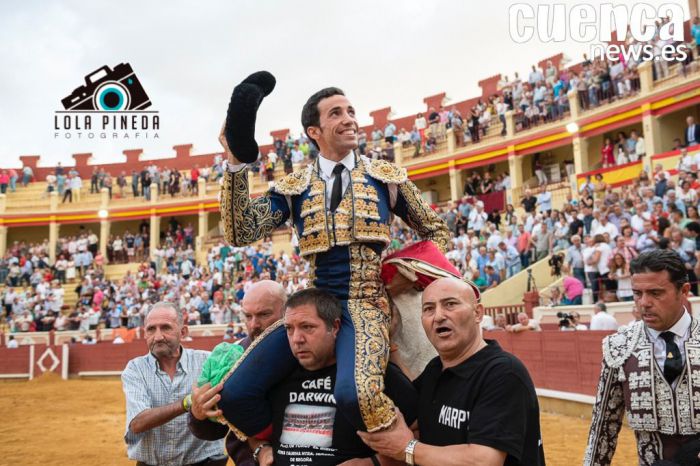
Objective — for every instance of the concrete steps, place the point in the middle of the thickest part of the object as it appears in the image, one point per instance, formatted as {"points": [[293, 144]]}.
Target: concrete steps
{"points": [[70, 298], [116, 272], [511, 291], [34, 198]]}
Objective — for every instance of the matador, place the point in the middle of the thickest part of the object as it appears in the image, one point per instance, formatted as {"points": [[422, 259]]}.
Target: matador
{"points": [[341, 206]]}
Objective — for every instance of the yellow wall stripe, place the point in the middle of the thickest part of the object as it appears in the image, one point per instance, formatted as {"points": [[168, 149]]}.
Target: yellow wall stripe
{"points": [[612, 119]]}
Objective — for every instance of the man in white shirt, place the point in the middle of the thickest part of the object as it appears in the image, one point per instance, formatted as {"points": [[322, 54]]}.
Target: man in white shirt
{"points": [[639, 146], [494, 237], [601, 320], [82, 243], [477, 218], [524, 324], [92, 242], [544, 200], [686, 161], [76, 184], [297, 155], [272, 156], [641, 216], [604, 226], [648, 239]]}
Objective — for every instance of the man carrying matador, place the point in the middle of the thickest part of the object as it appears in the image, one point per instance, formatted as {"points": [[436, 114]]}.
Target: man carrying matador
{"points": [[341, 207]]}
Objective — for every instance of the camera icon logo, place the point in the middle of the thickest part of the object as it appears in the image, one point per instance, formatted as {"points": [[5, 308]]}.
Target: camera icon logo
{"points": [[109, 90]]}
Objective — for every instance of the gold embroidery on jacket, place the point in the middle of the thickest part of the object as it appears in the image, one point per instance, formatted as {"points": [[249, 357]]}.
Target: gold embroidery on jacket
{"points": [[365, 191], [385, 171], [315, 237], [245, 220], [422, 218], [294, 183], [366, 209]]}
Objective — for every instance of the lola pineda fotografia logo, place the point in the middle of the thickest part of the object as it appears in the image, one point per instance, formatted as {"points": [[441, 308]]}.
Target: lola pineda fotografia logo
{"points": [[111, 104]]}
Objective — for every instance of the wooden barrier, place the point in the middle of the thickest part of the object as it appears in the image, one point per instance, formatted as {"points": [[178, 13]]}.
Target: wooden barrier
{"points": [[511, 312], [15, 362], [561, 361], [106, 335]]}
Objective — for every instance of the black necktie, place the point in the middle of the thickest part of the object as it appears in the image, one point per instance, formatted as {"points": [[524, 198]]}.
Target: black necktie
{"points": [[674, 364], [337, 191]]}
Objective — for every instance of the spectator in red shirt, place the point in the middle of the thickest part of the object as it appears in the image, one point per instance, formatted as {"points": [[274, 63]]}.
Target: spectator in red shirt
{"points": [[194, 178], [608, 156], [4, 181], [524, 245]]}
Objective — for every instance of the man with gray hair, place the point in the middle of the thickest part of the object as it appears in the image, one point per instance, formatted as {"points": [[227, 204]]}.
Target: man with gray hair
{"points": [[574, 259], [157, 389], [601, 320]]}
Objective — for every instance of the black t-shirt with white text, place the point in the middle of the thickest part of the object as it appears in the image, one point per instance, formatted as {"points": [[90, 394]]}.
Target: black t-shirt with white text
{"points": [[488, 400], [307, 427]]}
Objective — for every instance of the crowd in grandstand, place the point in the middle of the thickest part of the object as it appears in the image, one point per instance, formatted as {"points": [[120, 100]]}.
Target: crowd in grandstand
{"points": [[68, 182], [209, 293], [540, 98], [595, 235]]}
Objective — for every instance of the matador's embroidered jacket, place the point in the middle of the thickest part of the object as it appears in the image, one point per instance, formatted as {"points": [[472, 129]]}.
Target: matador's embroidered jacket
{"points": [[363, 216], [663, 417]]}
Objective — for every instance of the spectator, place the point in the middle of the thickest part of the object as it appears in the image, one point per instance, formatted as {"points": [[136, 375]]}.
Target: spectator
{"points": [[542, 242], [4, 181], [529, 202], [573, 291], [156, 431], [524, 324], [600, 259], [639, 147], [601, 320], [493, 278], [27, 175], [574, 259], [477, 218], [491, 400], [620, 272], [544, 201], [573, 323], [524, 246], [511, 257], [607, 153], [68, 193], [692, 132]]}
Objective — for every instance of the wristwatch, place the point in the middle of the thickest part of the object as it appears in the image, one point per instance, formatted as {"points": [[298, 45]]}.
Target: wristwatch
{"points": [[409, 451], [258, 450], [187, 402]]}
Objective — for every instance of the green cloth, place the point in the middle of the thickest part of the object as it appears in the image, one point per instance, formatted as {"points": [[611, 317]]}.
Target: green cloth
{"points": [[481, 282], [224, 251], [219, 362]]}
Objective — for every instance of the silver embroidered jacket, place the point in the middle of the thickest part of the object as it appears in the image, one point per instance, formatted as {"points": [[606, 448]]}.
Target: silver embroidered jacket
{"points": [[632, 381]]}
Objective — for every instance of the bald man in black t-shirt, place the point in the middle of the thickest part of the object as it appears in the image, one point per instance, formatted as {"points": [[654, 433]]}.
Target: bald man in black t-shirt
{"points": [[477, 403]]}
